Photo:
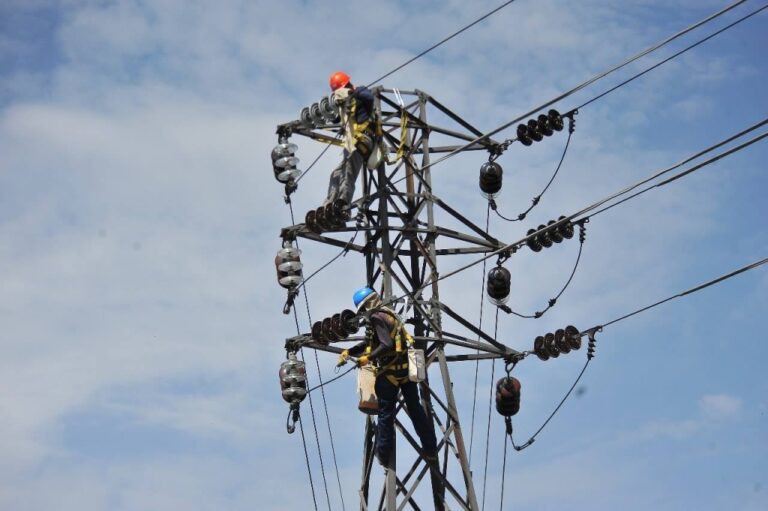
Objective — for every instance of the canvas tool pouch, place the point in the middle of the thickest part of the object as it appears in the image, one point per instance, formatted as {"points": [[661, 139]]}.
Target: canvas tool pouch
{"points": [[417, 367], [366, 390]]}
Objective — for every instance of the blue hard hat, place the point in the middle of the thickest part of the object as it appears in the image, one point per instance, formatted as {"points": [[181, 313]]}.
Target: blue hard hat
{"points": [[361, 296]]}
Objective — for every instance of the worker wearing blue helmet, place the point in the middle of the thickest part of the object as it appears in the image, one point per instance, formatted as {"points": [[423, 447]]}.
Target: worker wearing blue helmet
{"points": [[385, 350]]}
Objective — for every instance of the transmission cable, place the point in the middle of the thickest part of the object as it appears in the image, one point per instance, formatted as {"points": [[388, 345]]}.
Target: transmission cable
{"points": [[343, 252], [586, 83], [306, 457], [401, 66], [322, 393], [480, 327], [325, 149], [332, 379], [688, 292], [554, 412], [674, 55], [467, 27], [490, 407], [582, 212], [314, 422], [682, 174], [553, 301], [591, 333]]}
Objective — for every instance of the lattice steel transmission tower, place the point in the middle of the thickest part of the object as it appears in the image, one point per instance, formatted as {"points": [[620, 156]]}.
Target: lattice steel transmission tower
{"points": [[396, 212]]}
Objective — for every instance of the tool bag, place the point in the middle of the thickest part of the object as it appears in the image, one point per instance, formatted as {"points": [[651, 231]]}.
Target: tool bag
{"points": [[366, 390], [417, 365]]}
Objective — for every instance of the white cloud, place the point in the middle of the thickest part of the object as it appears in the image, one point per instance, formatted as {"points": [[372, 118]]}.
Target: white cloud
{"points": [[720, 406], [138, 219]]}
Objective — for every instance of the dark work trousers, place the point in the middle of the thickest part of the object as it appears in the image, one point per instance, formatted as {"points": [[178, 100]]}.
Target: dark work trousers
{"points": [[385, 432], [344, 177]]}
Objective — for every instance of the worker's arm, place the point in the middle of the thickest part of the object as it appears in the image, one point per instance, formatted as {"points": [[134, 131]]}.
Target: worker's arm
{"points": [[363, 94], [357, 349], [381, 331], [364, 98]]}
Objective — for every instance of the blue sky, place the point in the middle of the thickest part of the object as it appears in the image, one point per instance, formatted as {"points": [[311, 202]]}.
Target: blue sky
{"points": [[141, 326]]}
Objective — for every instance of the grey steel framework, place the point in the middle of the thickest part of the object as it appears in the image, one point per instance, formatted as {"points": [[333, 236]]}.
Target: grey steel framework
{"points": [[401, 259]]}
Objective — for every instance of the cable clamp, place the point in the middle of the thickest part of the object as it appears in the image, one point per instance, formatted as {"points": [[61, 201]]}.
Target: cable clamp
{"points": [[583, 230], [592, 340], [572, 120], [292, 294], [290, 187], [519, 448], [508, 423], [511, 363], [293, 418]]}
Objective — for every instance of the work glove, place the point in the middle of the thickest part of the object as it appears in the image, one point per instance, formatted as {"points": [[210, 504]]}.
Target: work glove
{"points": [[343, 357], [362, 360], [340, 96]]}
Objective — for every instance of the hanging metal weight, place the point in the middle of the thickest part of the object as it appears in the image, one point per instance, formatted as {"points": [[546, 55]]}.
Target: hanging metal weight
{"points": [[490, 179], [508, 396], [499, 285]]}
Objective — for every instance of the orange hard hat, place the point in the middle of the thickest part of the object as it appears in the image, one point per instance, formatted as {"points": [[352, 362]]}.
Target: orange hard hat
{"points": [[338, 80]]}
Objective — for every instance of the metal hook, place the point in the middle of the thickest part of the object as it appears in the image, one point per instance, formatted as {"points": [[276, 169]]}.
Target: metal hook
{"points": [[293, 418]]}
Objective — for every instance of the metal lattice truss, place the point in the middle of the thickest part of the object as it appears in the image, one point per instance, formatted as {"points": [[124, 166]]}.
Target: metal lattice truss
{"points": [[396, 212]]}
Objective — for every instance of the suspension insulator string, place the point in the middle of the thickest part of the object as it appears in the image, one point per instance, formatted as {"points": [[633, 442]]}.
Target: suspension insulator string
{"points": [[535, 201]]}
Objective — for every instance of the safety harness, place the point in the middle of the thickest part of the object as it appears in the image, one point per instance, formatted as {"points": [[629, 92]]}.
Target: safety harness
{"points": [[393, 367], [372, 130]]}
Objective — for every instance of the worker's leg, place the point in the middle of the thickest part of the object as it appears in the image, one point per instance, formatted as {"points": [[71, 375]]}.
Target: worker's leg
{"points": [[385, 431], [421, 422], [349, 178], [336, 179]]}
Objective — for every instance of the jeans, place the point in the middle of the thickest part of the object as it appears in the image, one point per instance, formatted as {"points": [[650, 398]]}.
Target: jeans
{"points": [[385, 433]]}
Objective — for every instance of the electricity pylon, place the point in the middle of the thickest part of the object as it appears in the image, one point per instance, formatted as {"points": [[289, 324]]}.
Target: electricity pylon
{"points": [[396, 212]]}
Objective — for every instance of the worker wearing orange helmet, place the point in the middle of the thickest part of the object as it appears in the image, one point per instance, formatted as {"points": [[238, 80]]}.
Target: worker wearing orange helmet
{"points": [[357, 112]]}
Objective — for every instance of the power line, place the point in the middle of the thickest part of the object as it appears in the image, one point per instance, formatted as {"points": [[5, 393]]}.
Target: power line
{"points": [[322, 393], [401, 66], [467, 27], [480, 327], [688, 292], [682, 174], [519, 243], [589, 82], [674, 55], [553, 301]]}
